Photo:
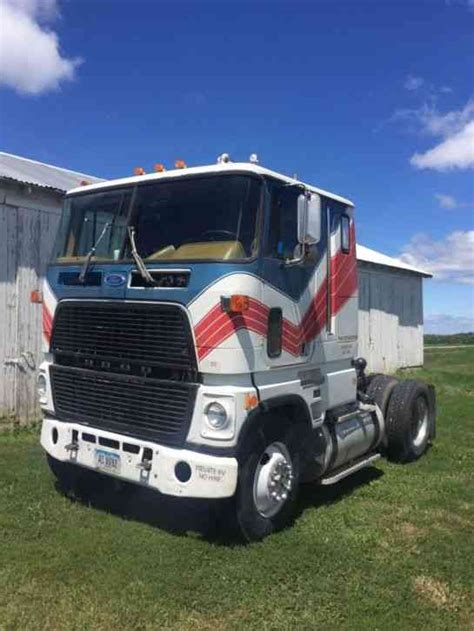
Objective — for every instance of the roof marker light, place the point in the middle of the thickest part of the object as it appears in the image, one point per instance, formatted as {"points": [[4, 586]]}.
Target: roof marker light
{"points": [[253, 158], [84, 183], [139, 171], [223, 158], [159, 168], [180, 164]]}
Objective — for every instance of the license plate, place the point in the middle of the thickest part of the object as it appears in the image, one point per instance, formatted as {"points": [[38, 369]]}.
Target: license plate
{"points": [[107, 461]]}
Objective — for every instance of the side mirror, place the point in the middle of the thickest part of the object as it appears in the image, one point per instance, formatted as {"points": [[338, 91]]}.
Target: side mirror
{"points": [[309, 218]]}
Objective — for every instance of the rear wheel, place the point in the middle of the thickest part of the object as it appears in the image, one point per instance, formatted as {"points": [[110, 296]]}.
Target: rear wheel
{"points": [[409, 420], [268, 481], [380, 390]]}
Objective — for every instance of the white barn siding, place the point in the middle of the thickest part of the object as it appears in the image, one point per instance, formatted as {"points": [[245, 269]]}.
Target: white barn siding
{"points": [[390, 318], [28, 220]]}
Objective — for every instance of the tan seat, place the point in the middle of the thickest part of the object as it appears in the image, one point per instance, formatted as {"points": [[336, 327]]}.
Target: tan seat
{"points": [[221, 250], [164, 253]]}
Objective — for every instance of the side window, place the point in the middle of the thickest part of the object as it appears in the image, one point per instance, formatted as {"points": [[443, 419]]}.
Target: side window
{"points": [[282, 239], [345, 234]]}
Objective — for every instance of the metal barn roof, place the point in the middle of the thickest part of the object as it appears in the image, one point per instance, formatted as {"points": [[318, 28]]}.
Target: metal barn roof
{"points": [[40, 174], [367, 255]]}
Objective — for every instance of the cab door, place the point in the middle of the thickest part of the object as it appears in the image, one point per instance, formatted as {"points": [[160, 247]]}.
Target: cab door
{"points": [[342, 273], [285, 280]]}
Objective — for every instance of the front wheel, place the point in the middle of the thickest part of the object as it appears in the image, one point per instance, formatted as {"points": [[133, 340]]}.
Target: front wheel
{"points": [[268, 481]]}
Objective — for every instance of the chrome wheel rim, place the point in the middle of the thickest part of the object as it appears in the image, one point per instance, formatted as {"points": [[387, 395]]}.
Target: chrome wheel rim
{"points": [[273, 480], [420, 422]]}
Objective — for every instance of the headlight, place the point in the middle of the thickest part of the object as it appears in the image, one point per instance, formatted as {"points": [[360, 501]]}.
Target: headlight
{"points": [[216, 415], [41, 386]]}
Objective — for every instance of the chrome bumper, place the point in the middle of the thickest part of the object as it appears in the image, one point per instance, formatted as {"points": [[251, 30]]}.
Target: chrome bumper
{"points": [[210, 476]]}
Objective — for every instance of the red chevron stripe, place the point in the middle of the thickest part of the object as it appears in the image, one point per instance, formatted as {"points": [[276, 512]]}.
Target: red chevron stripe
{"points": [[47, 323], [216, 326]]}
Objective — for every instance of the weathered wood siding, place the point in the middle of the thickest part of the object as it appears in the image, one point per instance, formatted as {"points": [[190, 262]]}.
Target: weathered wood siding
{"points": [[390, 318], [28, 221]]}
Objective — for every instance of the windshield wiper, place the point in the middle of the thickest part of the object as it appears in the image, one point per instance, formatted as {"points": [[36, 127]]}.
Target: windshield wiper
{"points": [[90, 254], [145, 274]]}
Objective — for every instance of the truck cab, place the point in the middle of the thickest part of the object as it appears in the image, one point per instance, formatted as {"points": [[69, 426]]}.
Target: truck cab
{"points": [[200, 337]]}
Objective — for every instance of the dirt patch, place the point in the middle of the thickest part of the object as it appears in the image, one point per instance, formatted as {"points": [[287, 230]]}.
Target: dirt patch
{"points": [[436, 593], [410, 531]]}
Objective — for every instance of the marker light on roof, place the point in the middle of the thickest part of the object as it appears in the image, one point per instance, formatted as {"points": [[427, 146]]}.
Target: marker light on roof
{"points": [[138, 171], [159, 168], [180, 164], [223, 158], [253, 158], [84, 183]]}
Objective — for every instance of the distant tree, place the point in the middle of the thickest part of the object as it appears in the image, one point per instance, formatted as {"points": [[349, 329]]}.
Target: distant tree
{"points": [[456, 339]]}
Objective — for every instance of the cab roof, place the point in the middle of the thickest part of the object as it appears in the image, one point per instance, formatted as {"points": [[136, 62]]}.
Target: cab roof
{"points": [[226, 167]]}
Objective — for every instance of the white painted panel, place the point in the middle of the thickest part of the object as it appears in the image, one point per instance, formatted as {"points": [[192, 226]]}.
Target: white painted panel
{"points": [[390, 318], [8, 309], [26, 240]]}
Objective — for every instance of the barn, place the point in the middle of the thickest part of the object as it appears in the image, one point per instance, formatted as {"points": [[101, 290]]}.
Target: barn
{"points": [[31, 194], [390, 311]]}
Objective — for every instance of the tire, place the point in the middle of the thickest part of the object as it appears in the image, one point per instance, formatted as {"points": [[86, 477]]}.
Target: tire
{"points": [[380, 390], [409, 421], [371, 377], [269, 457]]}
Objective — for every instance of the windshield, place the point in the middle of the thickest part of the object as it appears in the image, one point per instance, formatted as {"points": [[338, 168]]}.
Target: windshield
{"points": [[182, 219]]}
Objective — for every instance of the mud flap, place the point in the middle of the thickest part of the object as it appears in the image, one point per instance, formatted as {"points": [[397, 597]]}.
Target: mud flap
{"points": [[432, 411]]}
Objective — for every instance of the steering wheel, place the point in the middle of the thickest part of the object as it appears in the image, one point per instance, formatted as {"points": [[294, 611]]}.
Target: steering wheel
{"points": [[226, 233]]}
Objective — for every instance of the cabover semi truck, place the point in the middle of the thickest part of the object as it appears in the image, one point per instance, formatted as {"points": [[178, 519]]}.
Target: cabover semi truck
{"points": [[200, 329]]}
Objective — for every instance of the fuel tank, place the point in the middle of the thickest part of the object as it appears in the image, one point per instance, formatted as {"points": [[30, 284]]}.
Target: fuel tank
{"points": [[345, 438]]}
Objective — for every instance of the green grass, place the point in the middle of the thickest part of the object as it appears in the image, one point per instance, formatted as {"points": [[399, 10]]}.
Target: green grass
{"points": [[390, 548]]}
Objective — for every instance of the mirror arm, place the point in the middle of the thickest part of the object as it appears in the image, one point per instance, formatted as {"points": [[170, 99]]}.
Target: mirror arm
{"points": [[297, 260]]}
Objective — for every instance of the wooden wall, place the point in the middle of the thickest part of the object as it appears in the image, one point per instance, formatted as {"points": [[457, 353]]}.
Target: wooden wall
{"points": [[29, 217], [390, 318]]}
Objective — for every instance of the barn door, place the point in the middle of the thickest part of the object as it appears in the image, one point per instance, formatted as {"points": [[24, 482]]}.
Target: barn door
{"points": [[8, 310], [28, 314]]}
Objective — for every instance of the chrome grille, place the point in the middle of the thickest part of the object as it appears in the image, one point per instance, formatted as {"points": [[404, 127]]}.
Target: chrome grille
{"points": [[139, 333], [145, 408]]}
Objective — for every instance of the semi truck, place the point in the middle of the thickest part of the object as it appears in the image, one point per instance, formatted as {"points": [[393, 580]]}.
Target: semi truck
{"points": [[200, 334]]}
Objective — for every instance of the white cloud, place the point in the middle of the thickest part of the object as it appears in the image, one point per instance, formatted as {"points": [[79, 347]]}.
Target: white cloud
{"points": [[456, 152], [451, 259], [446, 201], [413, 83], [438, 124], [468, 3], [30, 58], [449, 202], [454, 128]]}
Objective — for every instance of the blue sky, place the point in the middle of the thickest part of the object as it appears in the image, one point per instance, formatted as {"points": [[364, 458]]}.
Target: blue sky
{"points": [[371, 99]]}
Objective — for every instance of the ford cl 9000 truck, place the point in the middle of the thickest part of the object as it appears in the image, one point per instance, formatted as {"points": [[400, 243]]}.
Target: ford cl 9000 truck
{"points": [[200, 330]]}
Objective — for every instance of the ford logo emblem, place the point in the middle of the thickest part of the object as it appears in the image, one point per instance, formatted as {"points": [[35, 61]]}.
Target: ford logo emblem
{"points": [[115, 280]]}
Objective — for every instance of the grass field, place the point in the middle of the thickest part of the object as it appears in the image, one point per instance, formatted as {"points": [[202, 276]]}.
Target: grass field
{"points": [[391, 548]]}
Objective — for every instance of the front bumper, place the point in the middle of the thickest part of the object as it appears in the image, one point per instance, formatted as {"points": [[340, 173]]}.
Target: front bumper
{"points": [[211, 476]]}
